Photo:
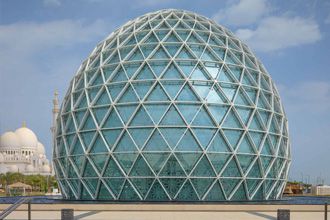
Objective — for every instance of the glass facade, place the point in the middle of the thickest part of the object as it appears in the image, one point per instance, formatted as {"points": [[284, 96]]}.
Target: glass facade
{"points": [[172, 107]]}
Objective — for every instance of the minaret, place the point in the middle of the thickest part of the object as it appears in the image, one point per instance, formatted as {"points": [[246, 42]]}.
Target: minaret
{"points": [[55, 112]]}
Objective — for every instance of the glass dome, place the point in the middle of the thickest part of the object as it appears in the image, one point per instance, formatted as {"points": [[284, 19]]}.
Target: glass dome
{"points": [[171, 107]]}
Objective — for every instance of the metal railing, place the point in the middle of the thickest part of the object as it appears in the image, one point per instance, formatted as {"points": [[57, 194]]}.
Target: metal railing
{"points": [[14, 206]]}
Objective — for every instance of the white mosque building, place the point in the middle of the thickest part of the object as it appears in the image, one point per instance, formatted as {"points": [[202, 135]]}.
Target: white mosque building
{"points": [[20, 151]]}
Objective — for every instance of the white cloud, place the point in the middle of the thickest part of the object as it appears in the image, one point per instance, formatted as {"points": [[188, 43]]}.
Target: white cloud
{"points": [[275, 33], [312, 98], [52, 3], [244, 12], [26, 38]]}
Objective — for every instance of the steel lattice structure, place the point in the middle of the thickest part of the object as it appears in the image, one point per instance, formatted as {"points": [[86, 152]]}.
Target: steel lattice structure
{"points": [[172, 106]]}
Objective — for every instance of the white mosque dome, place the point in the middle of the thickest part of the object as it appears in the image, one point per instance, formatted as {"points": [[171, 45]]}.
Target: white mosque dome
{"points": [[10, 140], [46, 168], [13, 168], [40, 148], [27, 137], [29, 168]]}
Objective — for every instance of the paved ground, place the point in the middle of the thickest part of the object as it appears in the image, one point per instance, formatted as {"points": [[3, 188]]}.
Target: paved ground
{"points": [[169, 211], [98, 215]]}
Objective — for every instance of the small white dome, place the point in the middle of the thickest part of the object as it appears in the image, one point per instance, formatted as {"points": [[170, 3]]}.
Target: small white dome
{"points": [[46, 168], [10, 140], [29, 168], [13, 168], [40, 148], [27, 138]]}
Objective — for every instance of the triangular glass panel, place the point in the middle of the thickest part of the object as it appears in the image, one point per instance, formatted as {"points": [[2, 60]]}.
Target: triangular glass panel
{"points": [[229, 184], [91, 184], [142, 88], [115, 89], [79, 161], [220, 52], [112, 169], [183, 34], [204, 135], [136, 55], [186, 66], [246, 79], [188, 111], [244, 113], [160, 54], [172, 48], [125, 144], [144, 73], [141, 118], [157, 94], [255, 171], [87, 138], [172, 135], [104, 193], [115, 184], [186, 94], [212, 68], [158, 66], [218, 112], [265, 162], [252, 184], [140, 135], [112, 120], [207, 55], [156, 160], [187, 193], [172, 38], [231, 169], [79, 116], [240, 194], [77, 148], [128, 96], [126, 111], [99, 160], [172, 117], [202, 185], [92, 92], [118, 76], [125, 160], [241, 98], [218, 160], [128, 193], [229, 90], [141, 168], [225, 76], [131, 68], [172, 87], [218, 144], [172, 185], [255, 123], [172, 168], [142, 185], [203, 118], [185, 54], [267, 148], [111, 136], [151, 38], [256, 137], [197, 50], [98, 146], [82, 101], [216, 193], [194, 39], [89, 171], [157, 193], [245, 146], [231, 120], [156, 111], [252, 93], [203, 168], [199, 74], [188, 160], [103, 99], [114, 58], [172, 73], [89, 122], [156, 143], [188, 143], [245, 161], [161, 34]]}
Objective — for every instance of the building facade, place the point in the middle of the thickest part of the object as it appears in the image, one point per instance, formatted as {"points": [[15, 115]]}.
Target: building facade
{"points": [[20, 151], [172, 107]]}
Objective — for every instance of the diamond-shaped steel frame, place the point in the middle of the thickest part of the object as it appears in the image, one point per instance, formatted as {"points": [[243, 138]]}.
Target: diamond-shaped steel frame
{"points": [[172, 106]]}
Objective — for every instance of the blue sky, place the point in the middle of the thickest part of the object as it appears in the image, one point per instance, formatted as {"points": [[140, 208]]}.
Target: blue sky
{"points": [[43, 42]]}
